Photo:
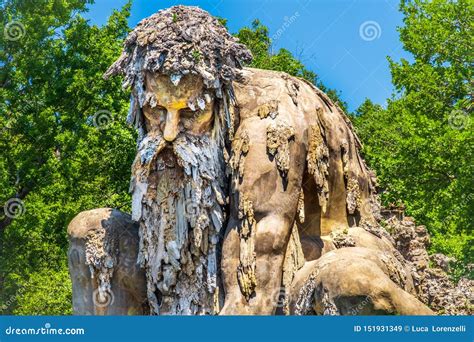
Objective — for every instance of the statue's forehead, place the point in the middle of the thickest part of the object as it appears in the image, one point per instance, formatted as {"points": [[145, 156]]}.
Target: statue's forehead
{"points": [[188, 86]]}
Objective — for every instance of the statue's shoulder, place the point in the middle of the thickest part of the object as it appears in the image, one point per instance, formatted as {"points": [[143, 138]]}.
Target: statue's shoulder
{"points": [[255, 88], [98, 219], [264, 78], [273, 83]]}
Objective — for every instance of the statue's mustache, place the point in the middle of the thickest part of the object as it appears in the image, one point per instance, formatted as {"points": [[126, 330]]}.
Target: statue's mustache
{"points": [[152, 146]]}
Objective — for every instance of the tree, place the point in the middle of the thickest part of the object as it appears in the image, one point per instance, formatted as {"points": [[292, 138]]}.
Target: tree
{"points": [[64, 143], [422, 145], [257, 39]]}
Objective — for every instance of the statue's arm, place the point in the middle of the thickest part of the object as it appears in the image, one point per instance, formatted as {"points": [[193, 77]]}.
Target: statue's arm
{"points": [[267, 166], [103, 249]]}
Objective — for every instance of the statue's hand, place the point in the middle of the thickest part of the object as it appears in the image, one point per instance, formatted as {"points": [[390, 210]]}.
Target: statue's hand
{"points": [[106, 279]]}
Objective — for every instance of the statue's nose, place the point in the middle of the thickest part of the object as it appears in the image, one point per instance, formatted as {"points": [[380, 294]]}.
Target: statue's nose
{"points": [[171, 126]]}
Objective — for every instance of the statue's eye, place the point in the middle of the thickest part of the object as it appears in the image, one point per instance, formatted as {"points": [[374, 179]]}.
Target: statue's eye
{"points": [[159, 113], [158, 110], [188, 113], [187, 116]]}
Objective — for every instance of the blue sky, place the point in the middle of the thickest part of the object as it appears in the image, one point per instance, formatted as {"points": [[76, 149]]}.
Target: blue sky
{"points": [[345, 42]]}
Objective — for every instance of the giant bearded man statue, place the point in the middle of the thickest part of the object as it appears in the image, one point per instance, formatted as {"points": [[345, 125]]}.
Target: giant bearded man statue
{"points": [[181, 78], [245, 184]]}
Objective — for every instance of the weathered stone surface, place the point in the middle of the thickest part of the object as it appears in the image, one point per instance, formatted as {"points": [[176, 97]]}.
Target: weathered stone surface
{"points": [[288, 178], [351, 281], [250, 194], [432, 284], [106, 279]]}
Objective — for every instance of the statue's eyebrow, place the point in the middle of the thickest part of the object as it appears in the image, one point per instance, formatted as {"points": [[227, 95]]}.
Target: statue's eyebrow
{"points": [[199, 102]]}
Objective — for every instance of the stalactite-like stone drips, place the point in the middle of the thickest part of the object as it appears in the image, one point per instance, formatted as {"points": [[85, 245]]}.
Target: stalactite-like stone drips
{"points": [[278, 144], [179, 40], [240, 147], [101, 258], [269, 109], [318, 163], [353, 197], [246, 270]]}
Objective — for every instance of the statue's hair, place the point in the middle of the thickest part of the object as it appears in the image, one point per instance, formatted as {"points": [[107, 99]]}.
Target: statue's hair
{"points": [[181, 40], [177, 41]]}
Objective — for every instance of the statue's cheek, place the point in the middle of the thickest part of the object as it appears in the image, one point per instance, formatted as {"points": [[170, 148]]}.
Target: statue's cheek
{"points": [[154, 118], [200, 123]]}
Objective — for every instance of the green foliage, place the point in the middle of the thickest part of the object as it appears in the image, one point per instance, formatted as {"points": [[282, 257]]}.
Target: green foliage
{"points": [[196, 55], [65, 147], [64, 143], [47, 292], [222, 21], [422, 144], [257, 39]]}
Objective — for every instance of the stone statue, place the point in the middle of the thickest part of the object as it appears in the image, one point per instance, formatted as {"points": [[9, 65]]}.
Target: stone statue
{"points": [[249, 195], [102, 258]]}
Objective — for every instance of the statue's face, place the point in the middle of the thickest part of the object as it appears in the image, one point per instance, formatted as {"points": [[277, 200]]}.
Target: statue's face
{"points": [[172, 114]]}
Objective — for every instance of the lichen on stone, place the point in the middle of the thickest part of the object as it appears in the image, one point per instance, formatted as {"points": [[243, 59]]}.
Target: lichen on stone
{"points": [[246, 271], [300, 207], [269, 109], [341, 239], [318, 162], [278, 144], [100, 250], [353, 197]]}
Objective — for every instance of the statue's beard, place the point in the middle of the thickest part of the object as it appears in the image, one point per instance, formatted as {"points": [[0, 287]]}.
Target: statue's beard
{"points": [[179, 198]]}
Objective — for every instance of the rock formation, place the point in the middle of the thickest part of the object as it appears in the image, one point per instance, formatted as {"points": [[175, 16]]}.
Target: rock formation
{"points": [[250, 195]]}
